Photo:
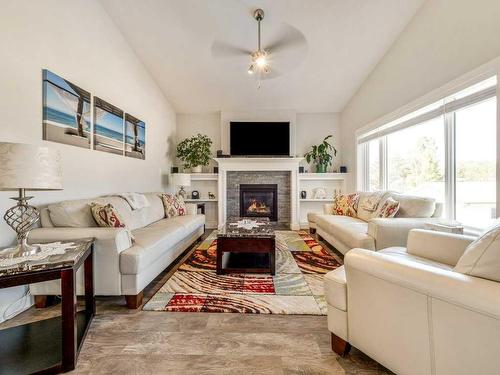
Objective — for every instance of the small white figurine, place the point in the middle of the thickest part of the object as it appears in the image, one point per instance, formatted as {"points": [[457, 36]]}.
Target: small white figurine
{"points": [[319, 193]]}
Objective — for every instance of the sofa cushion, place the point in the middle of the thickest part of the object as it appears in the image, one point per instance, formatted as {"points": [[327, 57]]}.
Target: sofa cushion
{"points": [[174, 206], [388, 208], [106, 215], [411, 206], [369, 203], [402, 253], [348, 230], [147, 215], [335, 285], [190, 222], [151, 243], [345, 204], [482, 257], [77, 214]]}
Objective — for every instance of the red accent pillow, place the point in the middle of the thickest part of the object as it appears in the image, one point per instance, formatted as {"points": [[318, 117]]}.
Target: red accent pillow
{"points": [[173, 205]]}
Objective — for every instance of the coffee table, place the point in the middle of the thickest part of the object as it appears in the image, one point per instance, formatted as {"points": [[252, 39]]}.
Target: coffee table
{"points": [[250, 237]]}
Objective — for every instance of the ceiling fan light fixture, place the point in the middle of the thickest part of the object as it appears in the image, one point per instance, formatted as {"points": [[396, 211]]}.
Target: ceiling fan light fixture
{"points": [[251, 69]]}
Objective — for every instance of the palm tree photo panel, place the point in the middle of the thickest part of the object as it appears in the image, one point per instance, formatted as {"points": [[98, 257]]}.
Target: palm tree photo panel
{"points": [[109, 127], [135, 137], [66, 111]]}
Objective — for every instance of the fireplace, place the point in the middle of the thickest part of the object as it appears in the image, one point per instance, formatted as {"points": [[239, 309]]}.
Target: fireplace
{"points": [[259, 200]]}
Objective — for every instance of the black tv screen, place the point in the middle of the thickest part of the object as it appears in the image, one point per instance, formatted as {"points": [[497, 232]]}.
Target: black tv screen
{"points": [[259, 138]]}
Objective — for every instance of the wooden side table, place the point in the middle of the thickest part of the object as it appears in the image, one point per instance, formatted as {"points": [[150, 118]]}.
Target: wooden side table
{"points": [[50, 345]]}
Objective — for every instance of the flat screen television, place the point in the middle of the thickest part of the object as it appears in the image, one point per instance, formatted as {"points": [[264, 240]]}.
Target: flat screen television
{"points": [[259, 138]]}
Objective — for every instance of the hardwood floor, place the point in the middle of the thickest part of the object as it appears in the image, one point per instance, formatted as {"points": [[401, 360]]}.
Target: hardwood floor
{"points": [[145, 342]]}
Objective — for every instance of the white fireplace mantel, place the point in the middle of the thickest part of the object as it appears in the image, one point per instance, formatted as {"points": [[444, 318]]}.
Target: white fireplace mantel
{"points": [[259, 164]]}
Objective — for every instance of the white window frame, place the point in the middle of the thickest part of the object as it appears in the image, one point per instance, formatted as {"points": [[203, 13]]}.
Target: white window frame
{"points": [[447, 110]]}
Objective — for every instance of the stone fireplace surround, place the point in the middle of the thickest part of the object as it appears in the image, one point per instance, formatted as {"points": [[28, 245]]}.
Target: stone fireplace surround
{"points": [[281, 171], [281, 178]]}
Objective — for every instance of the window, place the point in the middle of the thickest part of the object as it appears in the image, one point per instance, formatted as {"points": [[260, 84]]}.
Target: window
{"points": [[445, 150], [374, 166], [475, 163], [415, 158]]}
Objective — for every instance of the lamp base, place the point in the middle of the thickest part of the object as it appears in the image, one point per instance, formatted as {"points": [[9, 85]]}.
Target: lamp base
{"points": [[24, 250], [182, 193]]}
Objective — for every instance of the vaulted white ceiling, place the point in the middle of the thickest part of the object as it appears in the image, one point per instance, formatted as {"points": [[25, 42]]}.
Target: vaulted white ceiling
{"points": [[345, 40]]}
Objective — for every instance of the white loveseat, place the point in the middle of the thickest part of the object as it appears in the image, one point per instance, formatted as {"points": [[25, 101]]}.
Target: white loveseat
{"points": [[121, 266], [367, 231], [408, 308]]}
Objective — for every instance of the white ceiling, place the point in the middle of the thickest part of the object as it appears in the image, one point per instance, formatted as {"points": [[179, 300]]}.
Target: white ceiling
{"points": [[345, 40]]}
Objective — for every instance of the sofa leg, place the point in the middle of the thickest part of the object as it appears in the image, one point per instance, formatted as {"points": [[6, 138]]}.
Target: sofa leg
{"points": [[312, 230], [134, 301], [340, 346], [41, 302]]}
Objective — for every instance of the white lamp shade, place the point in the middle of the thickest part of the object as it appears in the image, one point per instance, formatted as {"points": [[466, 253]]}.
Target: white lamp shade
{"points": [[181, 179], [29, 167]]}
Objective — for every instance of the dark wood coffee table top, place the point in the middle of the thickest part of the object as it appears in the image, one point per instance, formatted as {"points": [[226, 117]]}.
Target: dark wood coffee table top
{"points": [[240, 227]]}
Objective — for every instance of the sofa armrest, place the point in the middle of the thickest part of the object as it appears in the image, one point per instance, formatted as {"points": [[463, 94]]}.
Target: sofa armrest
{"points": [[191, 208], [389, 232], [328, 208], [109, 243], [473, 293], [438, 246]]}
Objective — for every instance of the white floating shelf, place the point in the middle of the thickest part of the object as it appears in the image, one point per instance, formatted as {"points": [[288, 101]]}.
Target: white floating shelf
{"points": [[322, 176], [204, 176], [200, 200]]}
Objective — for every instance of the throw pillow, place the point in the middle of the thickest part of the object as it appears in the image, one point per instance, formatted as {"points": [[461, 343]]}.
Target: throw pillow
{"points": [[482, 257], [345, 204], [108, 216], [389, 208], [173, 205]]}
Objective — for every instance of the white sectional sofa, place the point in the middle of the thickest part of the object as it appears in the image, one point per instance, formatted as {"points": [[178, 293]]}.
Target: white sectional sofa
{"points": [[413, 312], [367, 231], [121, 266]]}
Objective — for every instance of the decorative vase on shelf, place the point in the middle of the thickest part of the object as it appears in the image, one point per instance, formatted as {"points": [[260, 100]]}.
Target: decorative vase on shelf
{"points": [[197, 169], [321, 168]]}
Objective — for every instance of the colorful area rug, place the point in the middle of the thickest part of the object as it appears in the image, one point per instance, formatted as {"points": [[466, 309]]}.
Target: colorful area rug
{"points": [[297, 287]]}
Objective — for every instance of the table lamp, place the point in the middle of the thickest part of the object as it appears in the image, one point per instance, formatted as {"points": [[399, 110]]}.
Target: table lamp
{"points": [[182, 180], [27, 167]]}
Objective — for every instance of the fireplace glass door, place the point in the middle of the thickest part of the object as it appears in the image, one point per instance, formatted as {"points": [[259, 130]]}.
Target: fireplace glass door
{"points": [[259, 200]]}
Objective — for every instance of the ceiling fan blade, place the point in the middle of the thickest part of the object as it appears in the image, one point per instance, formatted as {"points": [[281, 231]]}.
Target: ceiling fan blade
{"points": [[226, 50], [291, 39]]}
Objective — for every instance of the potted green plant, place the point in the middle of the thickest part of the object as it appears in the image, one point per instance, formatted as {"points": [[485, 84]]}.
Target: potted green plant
{"points": [[321, 155], [195, 152]]}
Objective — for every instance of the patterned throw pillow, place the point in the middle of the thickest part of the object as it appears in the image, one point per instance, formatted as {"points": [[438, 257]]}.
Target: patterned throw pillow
{"points": [[107, 216], [346, 204], [174, 206], [389, 208]]}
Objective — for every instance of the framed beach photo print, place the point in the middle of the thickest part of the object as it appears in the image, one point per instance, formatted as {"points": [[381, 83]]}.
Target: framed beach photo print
{"points": [[66, 111], [135, 137], [108, 127]]}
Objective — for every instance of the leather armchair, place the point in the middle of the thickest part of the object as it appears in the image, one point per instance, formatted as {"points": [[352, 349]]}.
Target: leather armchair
{"points": [[407, 309]]}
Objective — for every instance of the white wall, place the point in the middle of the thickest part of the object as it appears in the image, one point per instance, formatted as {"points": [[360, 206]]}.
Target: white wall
{"points": [[310, 128], [77, 40], [445, 39], [203, 123]]}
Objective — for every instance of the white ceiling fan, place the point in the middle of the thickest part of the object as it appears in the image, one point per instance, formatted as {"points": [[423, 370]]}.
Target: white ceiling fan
{"points": [[263, 60]]}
